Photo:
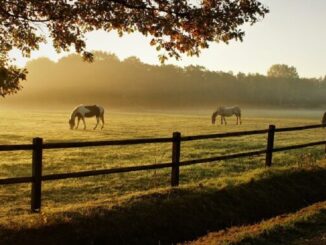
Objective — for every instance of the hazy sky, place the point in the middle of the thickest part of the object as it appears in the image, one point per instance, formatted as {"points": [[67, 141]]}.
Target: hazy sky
{"points": [[293, 33]]}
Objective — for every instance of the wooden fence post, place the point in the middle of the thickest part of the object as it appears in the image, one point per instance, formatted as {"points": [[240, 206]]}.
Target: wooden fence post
{"points": [[270, 145], [176, 146], [36, 174]]}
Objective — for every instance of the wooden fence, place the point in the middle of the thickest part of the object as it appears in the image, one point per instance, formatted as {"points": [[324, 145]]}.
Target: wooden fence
{"points": [[38, 146]]}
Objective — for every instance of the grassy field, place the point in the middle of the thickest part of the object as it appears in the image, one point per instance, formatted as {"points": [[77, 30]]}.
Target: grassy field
{"points": [[175, 215], [20, 127], [304, 227]]}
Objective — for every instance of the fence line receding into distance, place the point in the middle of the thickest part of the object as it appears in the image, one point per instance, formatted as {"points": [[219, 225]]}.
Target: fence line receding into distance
{"points": [[38, 146]]}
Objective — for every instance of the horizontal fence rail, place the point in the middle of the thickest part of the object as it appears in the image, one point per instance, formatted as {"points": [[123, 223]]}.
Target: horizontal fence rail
{"points": [[18, 180], [220, 158], [224, 135], [105, 143], [16, 147], [105, 171], [300, 128], [38, 146], [286, 148]]}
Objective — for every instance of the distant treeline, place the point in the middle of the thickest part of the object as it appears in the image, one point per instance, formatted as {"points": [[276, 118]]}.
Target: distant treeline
{"points": [[131, 83]]}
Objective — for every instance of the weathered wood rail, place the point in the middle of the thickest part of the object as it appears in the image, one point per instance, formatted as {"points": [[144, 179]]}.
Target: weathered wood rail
{"points": [[38, 146]]}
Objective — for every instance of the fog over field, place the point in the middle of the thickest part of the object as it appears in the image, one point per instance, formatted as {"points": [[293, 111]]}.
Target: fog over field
{"points": [[136, 86]]}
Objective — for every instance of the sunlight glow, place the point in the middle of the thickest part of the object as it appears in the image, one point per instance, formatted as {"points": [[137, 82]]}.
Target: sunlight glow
{"points": [[288, 35]]}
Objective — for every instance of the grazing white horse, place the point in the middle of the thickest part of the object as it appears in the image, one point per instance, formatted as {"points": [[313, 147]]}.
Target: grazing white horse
{"points": [[83, 111], [227, 112]]}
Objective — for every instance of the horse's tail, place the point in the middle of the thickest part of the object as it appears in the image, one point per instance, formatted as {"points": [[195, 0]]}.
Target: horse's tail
{"points": [[323, 121], [238, 111], [101, 115], [101, 111]]}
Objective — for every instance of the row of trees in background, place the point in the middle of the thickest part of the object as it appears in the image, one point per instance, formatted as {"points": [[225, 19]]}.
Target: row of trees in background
{"points": [[131, 83], [175, 27]]}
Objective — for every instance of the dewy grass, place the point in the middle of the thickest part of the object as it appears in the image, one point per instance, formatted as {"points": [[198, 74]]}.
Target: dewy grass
{"points": [[84, 194], [21, 127]]}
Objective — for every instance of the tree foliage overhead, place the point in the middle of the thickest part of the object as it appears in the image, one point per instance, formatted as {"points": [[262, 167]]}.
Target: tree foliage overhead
{"points": [[10, 80], [176, 26]]}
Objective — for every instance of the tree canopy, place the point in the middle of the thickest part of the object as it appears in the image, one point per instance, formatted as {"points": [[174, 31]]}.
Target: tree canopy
{"points": [[176, 26], [282, 71]]}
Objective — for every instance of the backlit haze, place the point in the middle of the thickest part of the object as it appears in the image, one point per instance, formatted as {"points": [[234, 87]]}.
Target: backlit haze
{"points": [[292, 33]]}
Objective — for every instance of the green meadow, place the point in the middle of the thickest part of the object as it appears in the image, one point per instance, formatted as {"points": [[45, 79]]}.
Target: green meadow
{"points": [[20, 127]]}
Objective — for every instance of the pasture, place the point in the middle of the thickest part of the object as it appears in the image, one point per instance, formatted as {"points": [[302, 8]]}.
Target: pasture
{"points": [[19, 127]]}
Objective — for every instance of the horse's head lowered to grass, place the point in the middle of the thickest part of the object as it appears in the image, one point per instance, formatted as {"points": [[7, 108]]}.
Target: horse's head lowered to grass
{"points": [[72, 123], [82, 111], [227, 112]]}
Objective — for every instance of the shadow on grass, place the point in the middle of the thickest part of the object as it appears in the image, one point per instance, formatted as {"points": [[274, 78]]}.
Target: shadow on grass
{"points": [[179, 214]]}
